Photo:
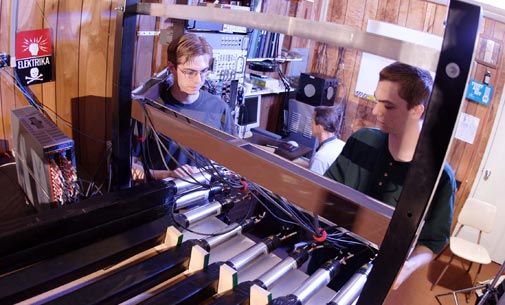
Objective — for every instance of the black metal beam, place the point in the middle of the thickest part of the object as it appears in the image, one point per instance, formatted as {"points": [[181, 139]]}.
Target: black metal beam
{"points": [[126, 25], [452, 74]]}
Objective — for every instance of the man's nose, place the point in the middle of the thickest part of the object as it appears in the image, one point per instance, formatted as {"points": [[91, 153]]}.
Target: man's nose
{"points": [[376, 110]]}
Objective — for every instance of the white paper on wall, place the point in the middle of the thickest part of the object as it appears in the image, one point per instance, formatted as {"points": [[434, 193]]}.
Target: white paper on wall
{"points": [[371, 64], [466, 129]]}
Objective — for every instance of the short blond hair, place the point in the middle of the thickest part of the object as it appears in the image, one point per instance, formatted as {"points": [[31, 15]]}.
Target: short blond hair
{"points": [[186, 47]]}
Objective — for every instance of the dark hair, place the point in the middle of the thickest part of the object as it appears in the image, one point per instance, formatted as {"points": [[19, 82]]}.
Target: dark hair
{"points": [[187, 47], [415, 83], [326, 117]]}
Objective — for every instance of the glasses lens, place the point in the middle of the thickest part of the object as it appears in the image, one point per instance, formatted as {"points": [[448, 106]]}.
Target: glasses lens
{"points": [[193, 73]]}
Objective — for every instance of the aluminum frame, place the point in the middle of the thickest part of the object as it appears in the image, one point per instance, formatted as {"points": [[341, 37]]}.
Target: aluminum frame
{"points": [[452, 64]]}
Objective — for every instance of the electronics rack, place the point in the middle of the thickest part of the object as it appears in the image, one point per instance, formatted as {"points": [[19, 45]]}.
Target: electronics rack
{"points": [[452, 67], [45, 159], [229, 53], [228, 71]]}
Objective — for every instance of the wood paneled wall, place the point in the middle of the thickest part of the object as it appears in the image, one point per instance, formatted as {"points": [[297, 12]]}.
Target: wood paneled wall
{"points": [[83, 43]]}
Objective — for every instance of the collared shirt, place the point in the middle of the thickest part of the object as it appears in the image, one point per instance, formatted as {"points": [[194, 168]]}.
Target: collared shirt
{"points": [[326, 154], [366, 165]]}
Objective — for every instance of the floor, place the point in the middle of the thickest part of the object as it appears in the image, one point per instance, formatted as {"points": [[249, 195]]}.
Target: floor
{"points": [[416, 290]]}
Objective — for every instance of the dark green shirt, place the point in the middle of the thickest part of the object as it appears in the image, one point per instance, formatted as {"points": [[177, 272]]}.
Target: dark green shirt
{"points": [[366, 165]]}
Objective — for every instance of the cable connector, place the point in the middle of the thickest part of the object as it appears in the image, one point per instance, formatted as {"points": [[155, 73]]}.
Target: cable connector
{"points": [[322, 236], [4, 60], [245, 188]]}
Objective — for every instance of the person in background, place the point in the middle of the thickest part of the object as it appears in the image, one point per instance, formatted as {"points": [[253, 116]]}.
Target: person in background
{"points": [[375, 161], [189, 62], [325, 122]]}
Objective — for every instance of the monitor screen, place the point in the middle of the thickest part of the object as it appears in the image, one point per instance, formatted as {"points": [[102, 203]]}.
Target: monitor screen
{"points": [[248, 114]]}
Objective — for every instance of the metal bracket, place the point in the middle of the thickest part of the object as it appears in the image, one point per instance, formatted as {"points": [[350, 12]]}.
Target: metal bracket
{"points": [[148, 33]]}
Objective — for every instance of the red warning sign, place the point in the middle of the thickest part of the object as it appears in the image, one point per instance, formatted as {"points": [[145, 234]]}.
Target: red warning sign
{"points": [[34, 56]]}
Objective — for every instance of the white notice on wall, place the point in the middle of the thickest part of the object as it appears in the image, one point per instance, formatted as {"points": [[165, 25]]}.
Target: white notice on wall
{"points": [[371, 64], [467, 128]]}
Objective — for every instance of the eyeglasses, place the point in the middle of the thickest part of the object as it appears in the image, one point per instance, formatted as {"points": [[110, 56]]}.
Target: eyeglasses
{"points": [[190, 73]]}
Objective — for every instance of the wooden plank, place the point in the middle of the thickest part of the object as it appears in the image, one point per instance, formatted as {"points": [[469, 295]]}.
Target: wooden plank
{"points": [[7, 98], [392, 10], [66, 55], [92, 101], [30, 18], [337, 11], [48, 97], [355, 13], [417, 15], [160, 50], [429, 21], [403, 12], [382, 10], [438, 24], [352, 61], [144, 51]]}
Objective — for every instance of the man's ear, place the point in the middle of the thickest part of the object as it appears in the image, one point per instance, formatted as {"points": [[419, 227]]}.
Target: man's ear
{"points": [[171, 67], [418, 111]]}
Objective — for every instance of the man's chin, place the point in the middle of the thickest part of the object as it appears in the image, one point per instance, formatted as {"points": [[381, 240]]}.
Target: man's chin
{"points": [[382, 128], [191, 91]]}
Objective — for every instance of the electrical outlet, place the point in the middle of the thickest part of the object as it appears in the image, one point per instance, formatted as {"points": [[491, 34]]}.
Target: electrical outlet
{"points": [[4, 60], [488, 52]]}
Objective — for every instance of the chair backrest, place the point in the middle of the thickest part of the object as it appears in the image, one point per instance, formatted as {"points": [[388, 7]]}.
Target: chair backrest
{"points": [[478, 214]]}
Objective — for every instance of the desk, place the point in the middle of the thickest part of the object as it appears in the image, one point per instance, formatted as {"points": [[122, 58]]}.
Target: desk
{"points": [[290, 155]]}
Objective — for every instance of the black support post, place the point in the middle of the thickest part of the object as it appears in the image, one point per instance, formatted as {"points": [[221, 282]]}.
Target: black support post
{"points": [[452, 74]]}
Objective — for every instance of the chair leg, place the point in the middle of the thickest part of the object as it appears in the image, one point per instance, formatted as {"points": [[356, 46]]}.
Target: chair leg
{"points": [[443, 271], [441, 252], [469, 267], [467, 294], [477, 275]]}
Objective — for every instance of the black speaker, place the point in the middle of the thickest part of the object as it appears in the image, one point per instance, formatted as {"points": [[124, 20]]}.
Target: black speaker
{"points": [[316, 89]]}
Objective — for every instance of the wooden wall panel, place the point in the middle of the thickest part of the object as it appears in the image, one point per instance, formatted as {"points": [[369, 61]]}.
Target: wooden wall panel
{"points": [[416, 15], [67, 53], [465, 158], [403, 12], [50, 16], [337, 10], [6, 84], [89, 107], [31, 18]]}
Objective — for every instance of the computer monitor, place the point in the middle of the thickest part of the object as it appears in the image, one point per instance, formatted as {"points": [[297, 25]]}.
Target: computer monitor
{"points": [[248, 115], [300, 124]]}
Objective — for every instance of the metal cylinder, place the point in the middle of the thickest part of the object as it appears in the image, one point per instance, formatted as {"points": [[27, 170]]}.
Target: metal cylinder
{"points": [[293, 261], [264, 247], [231, 230], [352, 289], [272, 275], [316, 281], [182, 185], [240, 260], [191, 198], [199, 213]]}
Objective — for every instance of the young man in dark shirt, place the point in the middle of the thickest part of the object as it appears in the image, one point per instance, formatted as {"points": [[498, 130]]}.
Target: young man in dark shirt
{"points": [[375, 161]]}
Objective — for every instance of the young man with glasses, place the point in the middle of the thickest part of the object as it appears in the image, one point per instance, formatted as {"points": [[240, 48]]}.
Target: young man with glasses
{"points": [[189, 62]]}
